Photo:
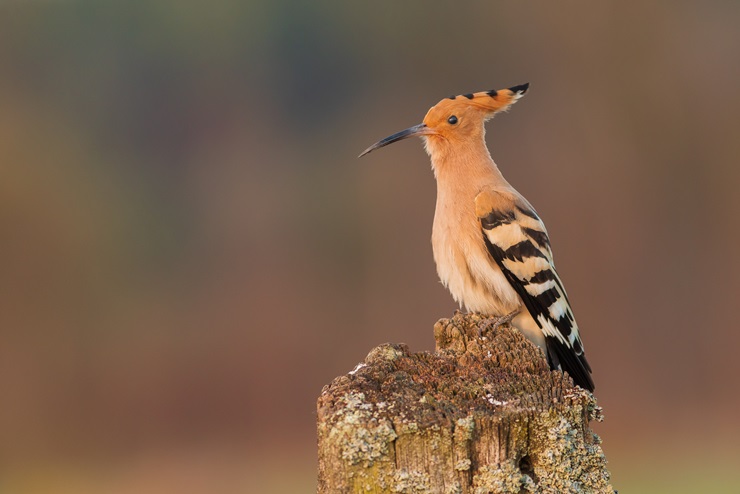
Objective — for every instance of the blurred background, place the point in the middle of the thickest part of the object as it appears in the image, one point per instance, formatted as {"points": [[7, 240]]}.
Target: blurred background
{"points": [[191, 250]]}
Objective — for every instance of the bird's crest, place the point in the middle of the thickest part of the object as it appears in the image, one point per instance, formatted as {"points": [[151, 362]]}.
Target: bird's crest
{"points": [[492, 101]]}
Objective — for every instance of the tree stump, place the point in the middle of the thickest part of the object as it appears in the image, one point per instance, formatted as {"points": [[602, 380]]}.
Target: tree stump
{"points": [[483, 414]]}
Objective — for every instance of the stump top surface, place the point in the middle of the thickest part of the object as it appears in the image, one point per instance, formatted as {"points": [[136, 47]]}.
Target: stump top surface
{"points": [[497, 372]]}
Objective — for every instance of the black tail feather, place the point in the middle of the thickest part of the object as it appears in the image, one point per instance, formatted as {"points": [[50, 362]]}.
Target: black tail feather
{"points": [[563, 357]]}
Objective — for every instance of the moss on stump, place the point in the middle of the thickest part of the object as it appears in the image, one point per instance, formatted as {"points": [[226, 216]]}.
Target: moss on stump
{"points": [[483, 414]]}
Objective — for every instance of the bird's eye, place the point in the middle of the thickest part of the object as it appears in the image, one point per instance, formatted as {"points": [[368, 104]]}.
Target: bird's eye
{"points": [[452, 120]]}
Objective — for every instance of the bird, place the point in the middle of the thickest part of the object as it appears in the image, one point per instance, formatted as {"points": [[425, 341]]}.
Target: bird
{"points": [[491, 249]]}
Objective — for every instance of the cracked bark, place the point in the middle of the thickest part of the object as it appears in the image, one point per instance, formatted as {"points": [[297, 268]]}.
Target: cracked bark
{"points": [[481, 414]]}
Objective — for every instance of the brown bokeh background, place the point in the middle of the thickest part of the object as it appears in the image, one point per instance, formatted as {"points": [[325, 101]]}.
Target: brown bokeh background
{"points": [[190, 248]]}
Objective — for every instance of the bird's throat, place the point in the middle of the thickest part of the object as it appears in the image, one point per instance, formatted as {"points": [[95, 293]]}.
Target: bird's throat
{"points": [[466, 169]]}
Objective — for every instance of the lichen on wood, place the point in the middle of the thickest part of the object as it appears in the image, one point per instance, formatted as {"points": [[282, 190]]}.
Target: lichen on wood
{"points": [[483, 414]]}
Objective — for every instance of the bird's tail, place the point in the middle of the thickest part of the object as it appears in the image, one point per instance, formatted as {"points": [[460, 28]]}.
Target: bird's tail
{"points": [[565, 358]]}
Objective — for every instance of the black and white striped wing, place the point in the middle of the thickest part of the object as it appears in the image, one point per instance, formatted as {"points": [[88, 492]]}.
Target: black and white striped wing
{"points": [[517, 240]]}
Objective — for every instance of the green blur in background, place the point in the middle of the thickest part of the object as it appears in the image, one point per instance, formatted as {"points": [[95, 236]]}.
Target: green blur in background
{"points": [[191, 250]]}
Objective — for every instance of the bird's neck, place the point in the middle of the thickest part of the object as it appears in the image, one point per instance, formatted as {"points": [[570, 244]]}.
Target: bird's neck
{"points": [[463, 169]]}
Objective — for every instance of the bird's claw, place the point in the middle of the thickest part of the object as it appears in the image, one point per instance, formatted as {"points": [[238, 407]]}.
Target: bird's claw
{"points": [[492, 323]]}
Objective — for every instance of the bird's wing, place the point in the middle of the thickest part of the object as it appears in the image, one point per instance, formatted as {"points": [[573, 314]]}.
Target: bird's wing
{"points": [[517, 240]]}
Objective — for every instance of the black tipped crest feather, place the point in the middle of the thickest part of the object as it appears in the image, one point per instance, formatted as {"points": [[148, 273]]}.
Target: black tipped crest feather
{"points": [[521, 88]]}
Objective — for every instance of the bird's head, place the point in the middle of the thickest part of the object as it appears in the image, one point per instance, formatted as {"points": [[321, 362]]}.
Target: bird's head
{"points": [[457, 119]]}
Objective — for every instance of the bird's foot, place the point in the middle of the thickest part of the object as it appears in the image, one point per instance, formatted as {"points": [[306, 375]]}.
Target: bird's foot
{"points": [[492, 323]]}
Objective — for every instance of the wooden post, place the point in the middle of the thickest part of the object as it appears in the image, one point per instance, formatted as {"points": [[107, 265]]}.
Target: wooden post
{"points": [[483, 414]]}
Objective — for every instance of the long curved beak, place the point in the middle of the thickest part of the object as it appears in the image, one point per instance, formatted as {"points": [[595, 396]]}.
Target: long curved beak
{"points": [[416, 130]]}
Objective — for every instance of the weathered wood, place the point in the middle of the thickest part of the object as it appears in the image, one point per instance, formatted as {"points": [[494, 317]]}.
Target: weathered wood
{"points": [[482, 414]]}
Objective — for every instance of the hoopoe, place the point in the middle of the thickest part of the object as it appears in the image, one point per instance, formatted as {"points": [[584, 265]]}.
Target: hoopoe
{"points": [[490, 246]]}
